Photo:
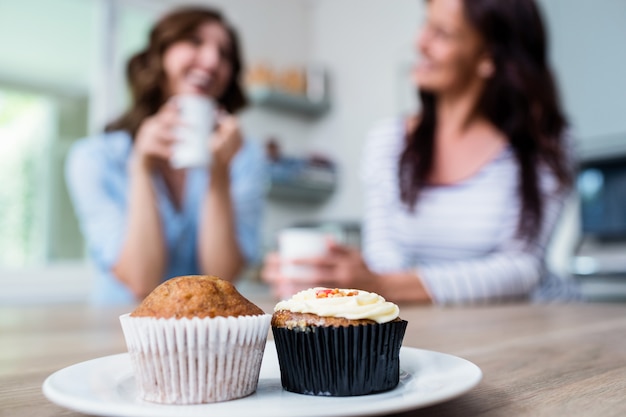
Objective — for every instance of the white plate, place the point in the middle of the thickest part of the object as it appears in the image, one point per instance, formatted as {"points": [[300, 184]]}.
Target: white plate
{"points": [[106, 387]]}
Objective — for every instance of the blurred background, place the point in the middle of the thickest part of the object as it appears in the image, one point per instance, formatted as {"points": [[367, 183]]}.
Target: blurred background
{"points": [[321, 73]]}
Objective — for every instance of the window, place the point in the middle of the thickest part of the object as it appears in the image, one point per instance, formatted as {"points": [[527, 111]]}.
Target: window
{"points": [[61, 77], [26, 125]]}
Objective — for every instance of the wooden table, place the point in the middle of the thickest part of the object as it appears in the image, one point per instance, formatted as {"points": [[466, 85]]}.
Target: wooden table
{"points": [[550, 360]]}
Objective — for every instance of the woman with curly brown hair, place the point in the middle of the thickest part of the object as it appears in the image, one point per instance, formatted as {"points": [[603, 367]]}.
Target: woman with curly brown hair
{"points": [[461, 200], [145, 221]]}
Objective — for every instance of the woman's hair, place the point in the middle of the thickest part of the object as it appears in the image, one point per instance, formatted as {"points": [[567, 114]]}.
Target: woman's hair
{"points": [[147, 78], [520, 99]]}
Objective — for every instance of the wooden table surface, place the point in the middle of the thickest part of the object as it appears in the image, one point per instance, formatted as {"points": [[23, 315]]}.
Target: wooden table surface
{"points": [[537, 360]]}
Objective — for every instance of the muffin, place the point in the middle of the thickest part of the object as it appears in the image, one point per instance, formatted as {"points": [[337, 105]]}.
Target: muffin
{"points": [[195, 339], [338, 342]]}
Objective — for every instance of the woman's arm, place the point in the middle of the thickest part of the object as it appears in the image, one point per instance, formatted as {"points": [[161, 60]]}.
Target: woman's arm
{"points": [[344, 267], [403, 287], [143, 257], [112, 218], [513, 270], [218, 249]]}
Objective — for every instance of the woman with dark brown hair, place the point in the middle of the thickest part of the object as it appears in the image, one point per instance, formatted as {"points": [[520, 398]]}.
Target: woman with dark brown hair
{"points": [[144, 220], [462, 199]]}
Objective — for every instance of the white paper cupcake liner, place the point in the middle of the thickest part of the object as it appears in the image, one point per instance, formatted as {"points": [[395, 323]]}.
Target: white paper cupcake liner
{"points": [[193, 361]]}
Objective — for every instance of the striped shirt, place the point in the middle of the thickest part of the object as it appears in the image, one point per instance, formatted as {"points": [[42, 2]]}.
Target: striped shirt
{"points": [[461, 238]]}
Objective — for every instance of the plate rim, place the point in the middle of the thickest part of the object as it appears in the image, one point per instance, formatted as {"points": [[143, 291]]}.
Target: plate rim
{"points": [[90, 406]]}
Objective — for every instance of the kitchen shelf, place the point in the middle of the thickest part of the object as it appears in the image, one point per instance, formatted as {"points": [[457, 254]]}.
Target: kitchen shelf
{"points": [[297, 191], [300, 180], [280, 100]]}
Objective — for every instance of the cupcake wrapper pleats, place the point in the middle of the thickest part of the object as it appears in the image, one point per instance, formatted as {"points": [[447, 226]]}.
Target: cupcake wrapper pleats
{"points": [[340, 361], [198, 360]]}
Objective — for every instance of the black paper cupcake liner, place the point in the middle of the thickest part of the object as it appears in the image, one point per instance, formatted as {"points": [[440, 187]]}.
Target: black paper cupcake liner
{"points": [[340, 361]]}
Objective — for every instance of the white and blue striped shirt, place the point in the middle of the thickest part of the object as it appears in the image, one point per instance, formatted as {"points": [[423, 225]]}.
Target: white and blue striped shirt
{"points": [[461, 238]]}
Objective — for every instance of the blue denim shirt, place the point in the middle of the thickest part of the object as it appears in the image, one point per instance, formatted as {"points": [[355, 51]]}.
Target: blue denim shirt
{"points": [[98, 181]]}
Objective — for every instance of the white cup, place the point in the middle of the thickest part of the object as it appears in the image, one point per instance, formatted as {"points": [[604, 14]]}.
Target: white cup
{"points": [[198, 115], [300, 243]]}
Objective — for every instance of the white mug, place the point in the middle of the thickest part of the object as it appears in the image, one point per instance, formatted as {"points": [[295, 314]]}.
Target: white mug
{"points": [[300, 243], [198, 117]]}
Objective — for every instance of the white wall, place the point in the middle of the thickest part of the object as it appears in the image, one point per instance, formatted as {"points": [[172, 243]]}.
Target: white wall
{"points": [[589, 55], [277, 32], [367, 46]]}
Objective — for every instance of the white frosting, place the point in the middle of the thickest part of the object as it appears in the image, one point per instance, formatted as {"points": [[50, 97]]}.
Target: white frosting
{"points": [[364, 305]]}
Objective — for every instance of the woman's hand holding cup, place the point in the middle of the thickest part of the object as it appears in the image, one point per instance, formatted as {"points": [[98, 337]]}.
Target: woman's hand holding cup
{"points": [[225, 142], [309, 258], [156, 137]]}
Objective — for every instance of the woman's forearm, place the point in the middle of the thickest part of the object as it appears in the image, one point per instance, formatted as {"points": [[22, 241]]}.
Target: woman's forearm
{"points": [[219, 252], [143, 257], [401, 287]]}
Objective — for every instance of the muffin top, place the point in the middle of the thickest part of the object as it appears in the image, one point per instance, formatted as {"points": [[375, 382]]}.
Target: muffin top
{"points": [[195, 296], [341, 303]]}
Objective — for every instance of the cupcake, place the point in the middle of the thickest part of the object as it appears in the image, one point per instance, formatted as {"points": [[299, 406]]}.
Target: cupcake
{"points": [[337, 342], [195, 339]]}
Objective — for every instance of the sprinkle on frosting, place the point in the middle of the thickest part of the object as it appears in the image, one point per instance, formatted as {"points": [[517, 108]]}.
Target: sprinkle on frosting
{"points": [[350, 304], [336, 292]]}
